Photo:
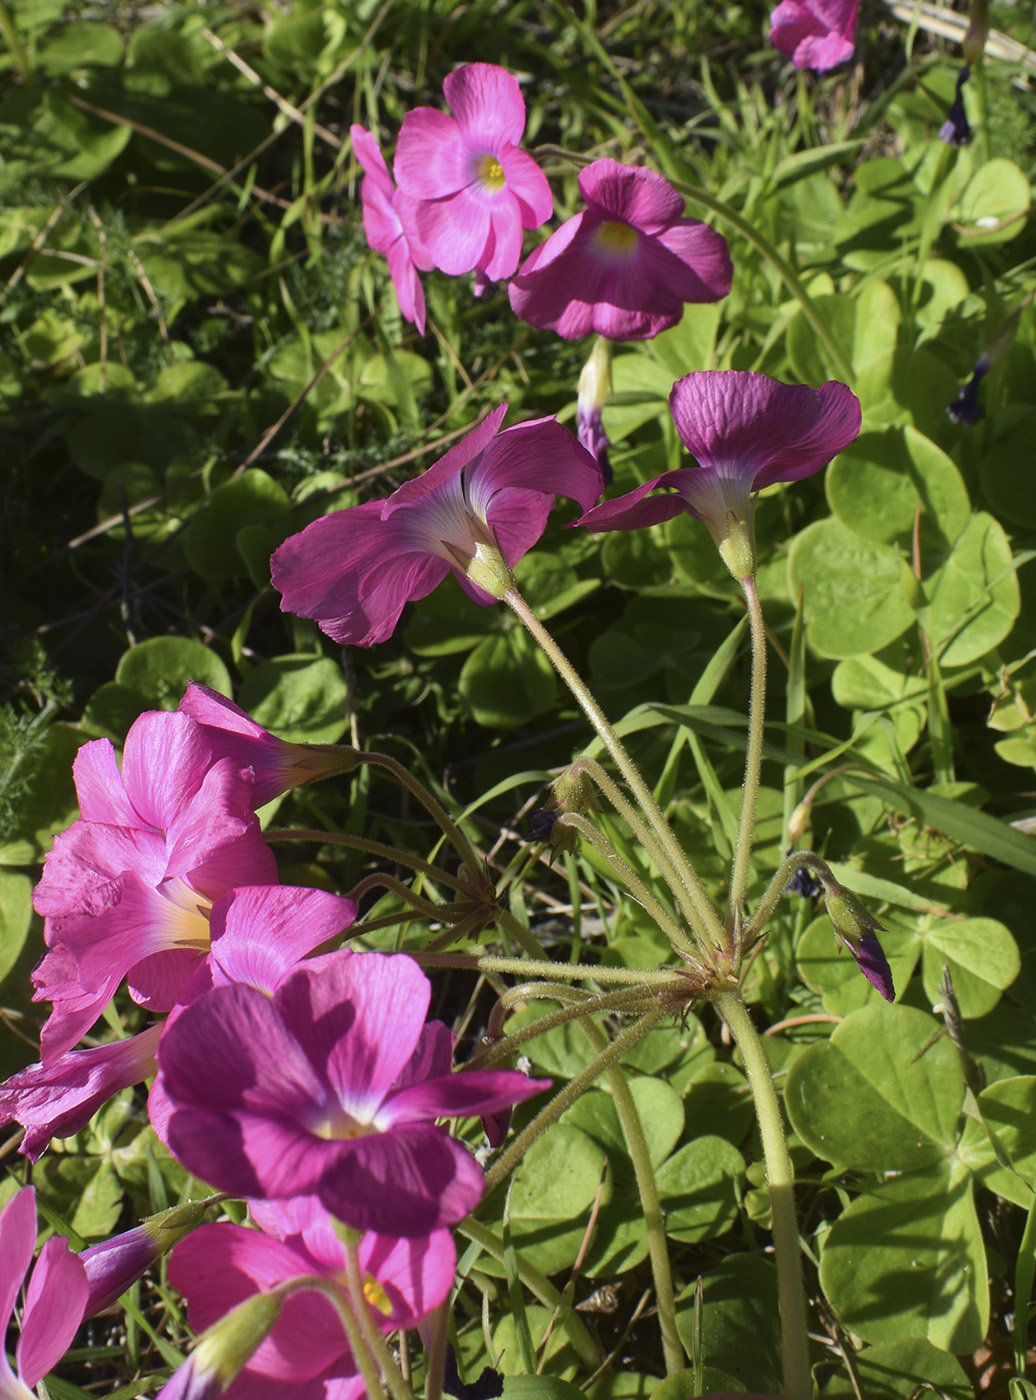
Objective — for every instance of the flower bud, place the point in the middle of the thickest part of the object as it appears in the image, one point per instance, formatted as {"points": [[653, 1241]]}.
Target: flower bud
{"points": [[595, 382], [115, 1264], [225, 1349], [858, 930]]}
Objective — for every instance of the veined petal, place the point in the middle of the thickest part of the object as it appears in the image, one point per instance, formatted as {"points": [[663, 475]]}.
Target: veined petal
{"points": [[637, 509], [630, 194], [407, 284], [487, 103], [537, 456], [505, 218], [408, 1182], [464, 1094], [216, 842], [433, 158], [740, 420], [455, 229], [517, 519], [164, 762], [706, 255], [527, 184], [261, 933], [367, 1047], [368, 153], [54, 1305], [837, 424], [17, 1241], [99, 786], [450, 465]]}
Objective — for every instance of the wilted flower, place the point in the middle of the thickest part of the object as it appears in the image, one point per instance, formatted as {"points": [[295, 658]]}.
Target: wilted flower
{"points": [[466, 191], [384, 228], [746, 431], [626, 265], [474, 514], [817, 34]]}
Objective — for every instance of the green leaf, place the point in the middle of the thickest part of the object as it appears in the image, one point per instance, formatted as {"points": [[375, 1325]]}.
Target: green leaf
{"points": [[507, 681], [15, 917], [252, 499], [904, 1082], [982, 957], [851, 589], [899, 1370], [698, 1188], [1009, 1110], [994, 203], [553, 1191], [740, 1322], [303, 699], [877, 485], [158, 670], [975, 597], [906, 1260]]}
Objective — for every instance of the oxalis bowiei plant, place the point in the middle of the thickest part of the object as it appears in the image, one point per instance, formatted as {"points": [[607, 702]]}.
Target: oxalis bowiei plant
{"points": [[359, 1171]]}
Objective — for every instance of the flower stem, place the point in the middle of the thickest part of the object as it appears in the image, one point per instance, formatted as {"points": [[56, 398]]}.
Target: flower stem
{"points": [[377, 1347], [662, 845], [577, 1004], [780, 1183], [658, 1245], [626, 874], [373, 848], [564, 972], [432, 806], [505, 1164], [753, 762]]}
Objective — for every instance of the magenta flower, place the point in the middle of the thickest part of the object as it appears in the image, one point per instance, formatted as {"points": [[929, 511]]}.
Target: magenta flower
{"points": [[307, 1354], [384, 229], [276, 764], [815, 34], [746, 431], [54, 1301], [127, 889], [465, 189], [323, 1089], [59, 1099], [626, 265], [474, 514]]}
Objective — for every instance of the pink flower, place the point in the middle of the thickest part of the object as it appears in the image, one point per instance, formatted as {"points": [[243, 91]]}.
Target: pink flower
{"points": [[384, 229], [276, 764], [128, 888], [465, 189], [626, 265], [59, 1099], [324, 1089], [474, 514], [746, 431], [307, 1354], [54, 1301], [814, 33]]}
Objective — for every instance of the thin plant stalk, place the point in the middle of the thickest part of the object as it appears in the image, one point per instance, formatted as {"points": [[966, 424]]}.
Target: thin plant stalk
{"points": [[753, 760], [663, 845], [432, 806], [624, 1041], [647, 1188], [780, 1185]]}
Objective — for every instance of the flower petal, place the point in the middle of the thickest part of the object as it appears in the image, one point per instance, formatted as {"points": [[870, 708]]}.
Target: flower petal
{"points": [[487, 103], [630, 194], [54, 1305]]}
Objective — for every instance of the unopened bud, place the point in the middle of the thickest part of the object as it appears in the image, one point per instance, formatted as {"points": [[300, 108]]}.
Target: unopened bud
{"points": [[798, 822], [978, 32], [858, 931], [115, 1264]]}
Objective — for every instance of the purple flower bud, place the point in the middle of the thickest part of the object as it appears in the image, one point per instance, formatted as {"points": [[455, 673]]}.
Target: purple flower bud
{"points": [[955, 130]]}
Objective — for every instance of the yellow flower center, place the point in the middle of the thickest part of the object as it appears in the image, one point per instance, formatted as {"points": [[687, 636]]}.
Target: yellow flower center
{"points": [[376, 1295], [340, 1127], [491, 173], [616, 238]]}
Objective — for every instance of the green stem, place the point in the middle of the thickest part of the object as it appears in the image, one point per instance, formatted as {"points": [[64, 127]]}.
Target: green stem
{"points": [[580, 1004], [669, 856], [380, 880], [524, 937], [432, 806], [780, 1183], [377, 1347], [798, 860], [626, 874], [505, 1164], [753, 763], [9, 34], [658, 1245], [541, 1288], [564, 972], [372, 848]]}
